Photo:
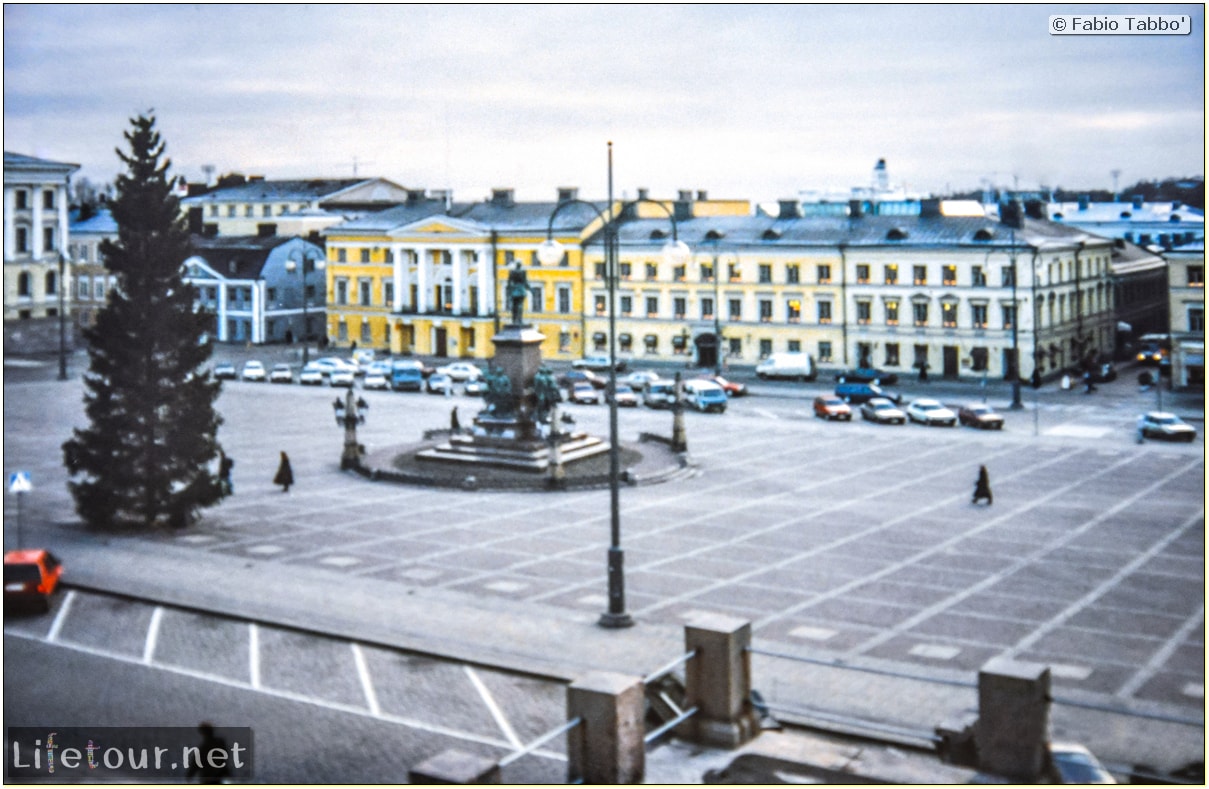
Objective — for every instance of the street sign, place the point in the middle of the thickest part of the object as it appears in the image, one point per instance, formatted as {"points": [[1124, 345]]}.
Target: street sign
{"points": [[18, 482]]}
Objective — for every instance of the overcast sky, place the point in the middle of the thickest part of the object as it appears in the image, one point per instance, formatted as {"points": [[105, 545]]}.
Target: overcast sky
{"points": [[744, 101]]}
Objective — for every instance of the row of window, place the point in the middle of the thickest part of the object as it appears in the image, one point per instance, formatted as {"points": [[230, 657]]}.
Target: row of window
{"points": [[249, 210], [21, 197], [22, 239]]}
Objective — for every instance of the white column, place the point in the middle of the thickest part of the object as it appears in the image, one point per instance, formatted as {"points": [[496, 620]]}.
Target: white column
{"points": [[222, 310], [457, 260], [35, 243], [397, 273], [257, 311], [64, 224], [422, 279], [10, 228], [486, 292]]}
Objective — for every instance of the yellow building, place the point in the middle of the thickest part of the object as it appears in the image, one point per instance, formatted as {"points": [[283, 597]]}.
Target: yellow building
{"points": [[427, 277]]}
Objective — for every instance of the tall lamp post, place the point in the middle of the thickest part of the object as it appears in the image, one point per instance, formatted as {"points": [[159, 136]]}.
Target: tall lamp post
{"points": [[717, 311], [550, 252], [62, 320], [1014, 371], [298, 261]]}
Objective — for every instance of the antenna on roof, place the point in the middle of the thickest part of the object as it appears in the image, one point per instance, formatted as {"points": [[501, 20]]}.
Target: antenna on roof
{"points": [[1116, 174], [208, 171], [355, 163]]}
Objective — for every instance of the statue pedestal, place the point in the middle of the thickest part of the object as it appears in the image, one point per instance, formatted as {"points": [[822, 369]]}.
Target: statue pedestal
{"points": [[511, 438]]}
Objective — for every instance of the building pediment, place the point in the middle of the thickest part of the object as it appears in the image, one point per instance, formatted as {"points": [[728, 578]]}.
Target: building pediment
{"points": [[439, 226], [376, 190]]}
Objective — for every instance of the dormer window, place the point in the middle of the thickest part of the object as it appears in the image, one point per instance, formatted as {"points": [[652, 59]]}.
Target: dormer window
{"points": [[984, 234], [658, 234], [714, 235], [771, 234], [896, 234]]}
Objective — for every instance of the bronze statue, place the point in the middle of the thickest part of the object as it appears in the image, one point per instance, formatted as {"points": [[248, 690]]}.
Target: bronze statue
{"points": [[518, 291], [499, 397], [545, 393]]}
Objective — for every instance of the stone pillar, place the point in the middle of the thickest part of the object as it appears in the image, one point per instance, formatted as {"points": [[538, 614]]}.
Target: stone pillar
{"points": [[607, 746], [1013, 729], [455, 767], [679, 435], [718, 681], [351, 457]]}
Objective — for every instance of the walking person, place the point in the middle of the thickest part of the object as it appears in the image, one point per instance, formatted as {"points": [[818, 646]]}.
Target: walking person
{"points": [[225, 464], [285, 475], [982, 487]]}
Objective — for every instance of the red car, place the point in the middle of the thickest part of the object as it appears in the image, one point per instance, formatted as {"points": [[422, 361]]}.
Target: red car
{"points": [[31, 575], [831, 407], [731, 388]]}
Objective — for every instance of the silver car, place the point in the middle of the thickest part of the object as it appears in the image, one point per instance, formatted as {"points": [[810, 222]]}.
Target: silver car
{"points": [[882, 411], [1160, 424]]}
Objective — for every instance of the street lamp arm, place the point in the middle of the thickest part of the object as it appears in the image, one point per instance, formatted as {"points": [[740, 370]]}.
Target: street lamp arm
{"points": [[611, 219]]}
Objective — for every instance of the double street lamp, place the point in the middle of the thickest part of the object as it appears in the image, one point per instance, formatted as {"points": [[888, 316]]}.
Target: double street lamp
{"points": [[550, 252], [302, 261]]}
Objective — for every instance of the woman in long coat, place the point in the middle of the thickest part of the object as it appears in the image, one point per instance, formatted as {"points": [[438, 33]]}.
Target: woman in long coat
{"points": [[285, 475], [982, 487]]}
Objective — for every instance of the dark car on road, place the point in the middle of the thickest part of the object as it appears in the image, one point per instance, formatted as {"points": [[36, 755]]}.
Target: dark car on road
{"points": [[572, 377], [860, 393], [866, 375], [225, 371], [980, 415]]}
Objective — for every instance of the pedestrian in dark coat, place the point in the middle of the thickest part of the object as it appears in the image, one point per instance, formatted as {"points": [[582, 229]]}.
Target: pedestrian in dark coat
{"points": [[285, 475], [982, 487], [455, 426], [225, 464]]}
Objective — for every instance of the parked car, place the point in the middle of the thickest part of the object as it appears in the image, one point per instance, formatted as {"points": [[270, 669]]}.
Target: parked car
{"points": [[705, 396], [311, 375], [375, 379], [281, 374], [732, 388], [866, 375], [787, 365], [927, 411], [831, 407], [1070, 763], [640, 378], [329, 364], [439, 383], [225, 371], [475, 388], [31, 576], [1160, 424], [253, 371], [659, 394], [584, 393], [363, 358], [980, 415], [572, 377], [461, 371], [406, 376], [341, 378], [597, 363], [882, 411], [860, 393], [626, 397]]}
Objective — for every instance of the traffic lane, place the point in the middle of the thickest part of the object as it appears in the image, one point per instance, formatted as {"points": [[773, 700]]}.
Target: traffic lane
{"points": [[293, 742], [495, 711]]}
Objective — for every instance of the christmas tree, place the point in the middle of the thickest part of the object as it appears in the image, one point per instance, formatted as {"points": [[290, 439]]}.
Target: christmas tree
{"points": [[144, 460]]}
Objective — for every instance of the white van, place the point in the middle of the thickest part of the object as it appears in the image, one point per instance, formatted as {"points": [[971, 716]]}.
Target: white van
{"points": [[660, 393], [787, 365], [705, 396]]}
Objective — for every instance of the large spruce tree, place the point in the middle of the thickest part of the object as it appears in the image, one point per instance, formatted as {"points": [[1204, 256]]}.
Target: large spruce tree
{"points": [[144, 460]]}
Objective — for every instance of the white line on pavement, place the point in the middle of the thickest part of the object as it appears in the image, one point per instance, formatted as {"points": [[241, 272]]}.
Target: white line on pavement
{"points": [[60, 617], [153, 634], [254, 656], [496, 712], [367, 684]]}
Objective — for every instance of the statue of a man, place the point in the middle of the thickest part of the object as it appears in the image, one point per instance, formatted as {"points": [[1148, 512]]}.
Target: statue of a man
{"points": [[518, 291]]}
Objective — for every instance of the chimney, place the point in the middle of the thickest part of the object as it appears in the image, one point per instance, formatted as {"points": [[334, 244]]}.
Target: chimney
{"points": [[683, 208], [504, 197], [788, 209], [644, 193], [1012, 214], [685, 196], [415, 196], [856, 209], [1034, 209], [702, 195], [1137, 202], [929, 207], [566, 193], [1084, 202]]}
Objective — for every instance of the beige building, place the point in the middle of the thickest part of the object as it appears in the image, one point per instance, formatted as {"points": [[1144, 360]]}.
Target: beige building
{"points": [[36, 236]]}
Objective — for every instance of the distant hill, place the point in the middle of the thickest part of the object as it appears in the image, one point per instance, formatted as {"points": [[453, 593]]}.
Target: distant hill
{"points": [[1189, 191]]}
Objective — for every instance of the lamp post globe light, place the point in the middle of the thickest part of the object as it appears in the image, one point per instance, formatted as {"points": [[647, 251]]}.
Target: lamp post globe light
{"points": [[298, 261], [675, 252]]}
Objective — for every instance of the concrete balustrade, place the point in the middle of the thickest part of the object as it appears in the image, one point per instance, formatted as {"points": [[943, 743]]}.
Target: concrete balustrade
{"points": [[607, 746], [718, 681]]}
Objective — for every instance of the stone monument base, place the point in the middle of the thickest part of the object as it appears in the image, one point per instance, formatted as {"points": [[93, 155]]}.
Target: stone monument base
{"points": [[531, 455]]}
